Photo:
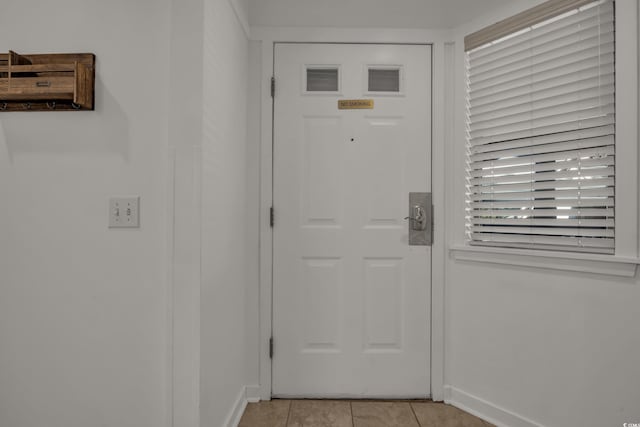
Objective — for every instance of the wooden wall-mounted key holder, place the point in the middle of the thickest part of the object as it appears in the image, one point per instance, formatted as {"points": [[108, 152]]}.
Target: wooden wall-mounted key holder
{"points": [[47, 82]]}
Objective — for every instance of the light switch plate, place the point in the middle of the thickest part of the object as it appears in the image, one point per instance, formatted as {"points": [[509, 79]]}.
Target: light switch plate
{"points": [[124, 212]]}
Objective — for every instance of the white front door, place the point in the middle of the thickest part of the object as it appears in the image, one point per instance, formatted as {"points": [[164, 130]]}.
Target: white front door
{"points": [[351, 297]]}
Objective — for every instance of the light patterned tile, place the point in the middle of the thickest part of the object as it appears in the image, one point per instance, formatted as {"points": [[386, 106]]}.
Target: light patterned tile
{"points": [[271, 413], [383, 414], [432, 414], [320, 413]]}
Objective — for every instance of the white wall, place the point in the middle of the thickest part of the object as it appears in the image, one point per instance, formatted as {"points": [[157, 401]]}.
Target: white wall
{"points": [[252, 224], [184, 205], [139, 327], [225, 212], [83, 321], [536, 346]]}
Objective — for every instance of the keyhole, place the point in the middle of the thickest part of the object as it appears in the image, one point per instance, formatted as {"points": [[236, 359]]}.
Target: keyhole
{"points": [[352, 139]]}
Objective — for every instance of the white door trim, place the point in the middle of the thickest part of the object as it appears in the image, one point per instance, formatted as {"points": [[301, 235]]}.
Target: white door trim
{"points": [[437, 39]]}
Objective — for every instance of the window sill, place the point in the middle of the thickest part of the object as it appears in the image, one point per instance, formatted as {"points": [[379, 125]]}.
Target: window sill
{"points": [[587, 263]]}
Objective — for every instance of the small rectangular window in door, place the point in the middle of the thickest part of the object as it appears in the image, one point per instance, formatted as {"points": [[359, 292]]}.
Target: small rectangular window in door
{"points": [[381, 80], [322, 79], [384, 80]]}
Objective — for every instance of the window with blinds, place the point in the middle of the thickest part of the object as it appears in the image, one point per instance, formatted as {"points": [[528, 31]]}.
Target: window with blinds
{"points": [[541, 133]]}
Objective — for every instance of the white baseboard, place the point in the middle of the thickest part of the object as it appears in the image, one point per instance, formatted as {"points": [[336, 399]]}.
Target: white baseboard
{"points": [[494, 414], [233, 419], [253, 393]]}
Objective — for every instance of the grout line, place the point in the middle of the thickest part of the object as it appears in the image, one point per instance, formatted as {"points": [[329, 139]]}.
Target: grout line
{"points": [[286, 423], [353, 423], [414, 414]]}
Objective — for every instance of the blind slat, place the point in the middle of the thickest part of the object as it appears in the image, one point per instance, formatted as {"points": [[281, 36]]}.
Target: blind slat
{"points": [[543, 56], [543, 115], [480, 146], [568, 202], [574, 244], [550, 182], [553, 77], [578, 148], [500, 164], [577, 177], [555, 222], [543, 231], [543, 167], [518, 88], [571, 63], [539, 124], [561, 98], [542, 212], [525, 196], [513, 98], [535, 71], [546, 129], [570, 184]]}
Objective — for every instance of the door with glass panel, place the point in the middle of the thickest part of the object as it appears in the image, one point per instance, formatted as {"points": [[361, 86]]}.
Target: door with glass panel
{"points": [[351, 295]]}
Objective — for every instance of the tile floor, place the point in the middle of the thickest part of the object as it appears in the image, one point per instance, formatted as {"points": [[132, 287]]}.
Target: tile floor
{"points": [[354, 413]]}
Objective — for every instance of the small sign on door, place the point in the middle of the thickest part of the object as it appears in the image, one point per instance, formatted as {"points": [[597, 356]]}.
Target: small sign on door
{"points": [[355, 104]]}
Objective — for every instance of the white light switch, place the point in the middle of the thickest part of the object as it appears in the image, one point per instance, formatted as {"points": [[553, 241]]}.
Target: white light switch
{"points": [[124, 212]]}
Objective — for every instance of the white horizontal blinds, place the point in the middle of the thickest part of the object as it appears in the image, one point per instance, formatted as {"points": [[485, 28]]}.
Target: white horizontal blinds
{"points": [[541, 135]]}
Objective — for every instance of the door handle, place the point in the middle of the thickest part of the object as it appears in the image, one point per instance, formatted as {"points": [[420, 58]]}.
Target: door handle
{"points": [[418, 221]]}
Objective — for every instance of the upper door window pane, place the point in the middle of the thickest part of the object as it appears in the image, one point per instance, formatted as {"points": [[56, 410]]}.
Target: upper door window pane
{"points": [[322, 80], [384, 80]]}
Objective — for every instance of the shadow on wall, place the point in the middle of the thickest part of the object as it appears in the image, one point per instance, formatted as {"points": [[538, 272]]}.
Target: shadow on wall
{"points": [[103, 131]]}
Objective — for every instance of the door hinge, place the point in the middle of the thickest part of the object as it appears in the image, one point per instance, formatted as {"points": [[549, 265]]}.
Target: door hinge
{"points": [[272, 217], [271, 348], [273, 87]]}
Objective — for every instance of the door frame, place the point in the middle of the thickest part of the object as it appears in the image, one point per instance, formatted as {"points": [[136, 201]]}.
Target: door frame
{"points": [[442, 57]]}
